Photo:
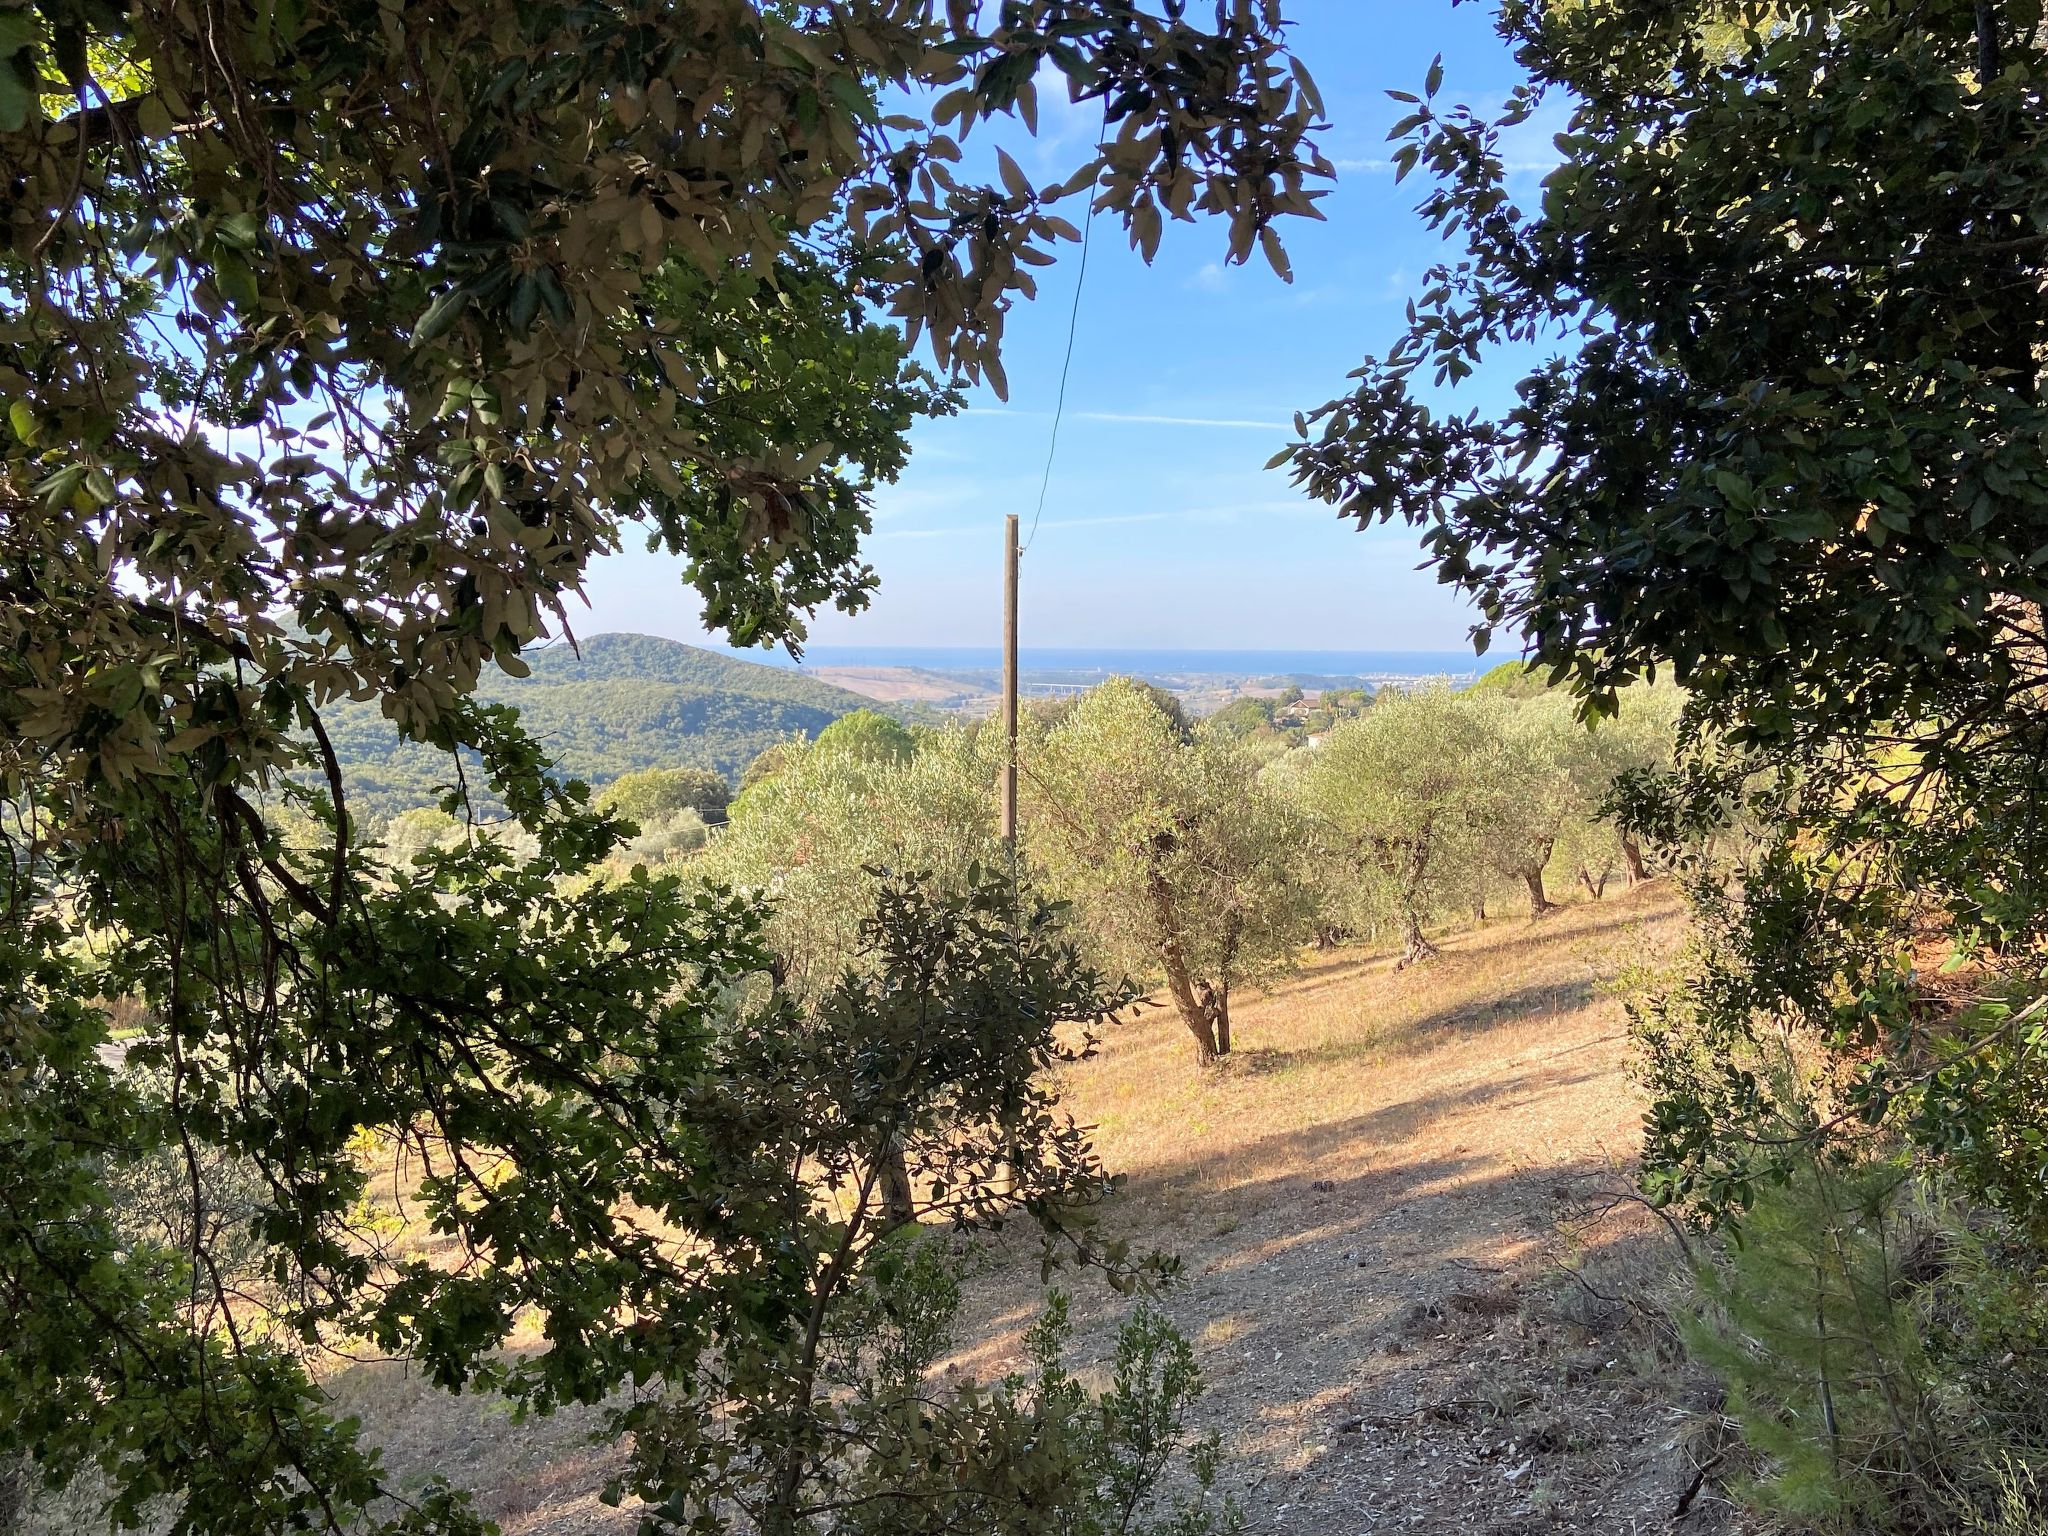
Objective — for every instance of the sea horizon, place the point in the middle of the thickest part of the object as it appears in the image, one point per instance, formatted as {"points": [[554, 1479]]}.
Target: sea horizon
{"points": [[1141, 661]]}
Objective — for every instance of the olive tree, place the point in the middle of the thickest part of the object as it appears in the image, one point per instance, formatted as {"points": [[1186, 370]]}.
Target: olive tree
{"points": [[1779, 321], [1541, 803], [1559, 771], [1176, 855], [867, 733], [1412, 796], [651, 795], [818, 838], [414, 832]]}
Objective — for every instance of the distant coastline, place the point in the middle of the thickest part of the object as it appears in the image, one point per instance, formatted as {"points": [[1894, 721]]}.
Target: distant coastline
{"points": [[1107, 661]]}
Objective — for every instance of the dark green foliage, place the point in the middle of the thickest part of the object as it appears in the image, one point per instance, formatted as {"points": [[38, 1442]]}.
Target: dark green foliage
{"points": [[604, 1074], [1882, 1354], [930, 1055], [337, 342], [1785, 438], [1790, 446], [628, 703], [1811, 1327], [1047, 1454], [1795, 436]]}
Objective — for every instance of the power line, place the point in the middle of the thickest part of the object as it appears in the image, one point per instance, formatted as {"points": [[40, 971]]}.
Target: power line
{"points": [[1060, 402]]}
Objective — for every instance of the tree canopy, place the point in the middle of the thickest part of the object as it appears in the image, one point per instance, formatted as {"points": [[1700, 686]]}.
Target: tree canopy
{"points": [[336, 341], [1411, 797], [1178, 857], [653, 793], [1787, 443], [819, 837], [868, 734]]}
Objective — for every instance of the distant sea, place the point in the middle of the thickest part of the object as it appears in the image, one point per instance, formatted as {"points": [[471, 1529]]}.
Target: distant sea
{"points": [[1111, 661]]}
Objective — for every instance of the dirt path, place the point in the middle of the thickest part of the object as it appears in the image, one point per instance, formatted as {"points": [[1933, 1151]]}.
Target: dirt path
{"points": [[1396, 1209]]}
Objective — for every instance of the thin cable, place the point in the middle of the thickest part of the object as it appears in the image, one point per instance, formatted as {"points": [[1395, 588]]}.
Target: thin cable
{"points": [[1060, 403]]}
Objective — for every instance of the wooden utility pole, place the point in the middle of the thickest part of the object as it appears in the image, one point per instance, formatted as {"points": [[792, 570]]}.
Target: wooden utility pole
{"points": [[1010, 681]]}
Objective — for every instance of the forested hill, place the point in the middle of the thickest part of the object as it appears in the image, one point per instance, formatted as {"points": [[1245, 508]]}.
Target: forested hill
{"points": [[626, 702]]}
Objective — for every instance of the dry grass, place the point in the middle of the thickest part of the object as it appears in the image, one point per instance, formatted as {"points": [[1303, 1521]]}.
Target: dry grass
{"points": [[1375, 1200], [1352, 1058], [1410, 1261]]}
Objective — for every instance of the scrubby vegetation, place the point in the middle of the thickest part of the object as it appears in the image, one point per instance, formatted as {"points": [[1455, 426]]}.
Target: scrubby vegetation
{"points": [[628, 1032], [620, 704], [1800, 474]]}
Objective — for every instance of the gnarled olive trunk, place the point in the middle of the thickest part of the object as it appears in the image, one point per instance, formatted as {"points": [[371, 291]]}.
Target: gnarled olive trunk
{"points": [[1539, 899], [1195, 1000], [1415, 945], [1632, 851]]}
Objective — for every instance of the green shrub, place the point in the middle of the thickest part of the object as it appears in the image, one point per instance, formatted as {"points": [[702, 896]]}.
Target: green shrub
{"points": [[1824, 1366], [1882, 1352], [1037, 1454]]}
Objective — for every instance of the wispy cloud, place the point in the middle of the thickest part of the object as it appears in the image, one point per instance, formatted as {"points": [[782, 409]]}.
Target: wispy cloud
{"points": [[1137, 419], [1104, 522]]}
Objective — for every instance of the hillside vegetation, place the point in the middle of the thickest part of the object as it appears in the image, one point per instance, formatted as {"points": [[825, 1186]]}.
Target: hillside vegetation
{"points": [[617, 704], [554, 1162], [1386, 1210]]}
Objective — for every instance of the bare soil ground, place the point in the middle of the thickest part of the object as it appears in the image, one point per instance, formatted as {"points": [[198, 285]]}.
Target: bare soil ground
{"points": [[1412, 1273]]}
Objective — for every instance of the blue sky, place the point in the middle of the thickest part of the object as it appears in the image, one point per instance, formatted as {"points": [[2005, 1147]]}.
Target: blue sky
{"points": [[1162, 528]]}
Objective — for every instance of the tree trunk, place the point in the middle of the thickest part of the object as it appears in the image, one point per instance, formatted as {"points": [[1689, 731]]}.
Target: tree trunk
{"points": [[1189, 1005], [1417, 947], [1593, 889], [1214, 1008], [1632, 851], [15, 1487], [1194, 1011], [1539, 899], [899, 1201]]}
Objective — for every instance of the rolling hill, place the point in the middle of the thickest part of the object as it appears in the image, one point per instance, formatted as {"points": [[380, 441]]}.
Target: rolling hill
{"points": [[626, 702]]}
